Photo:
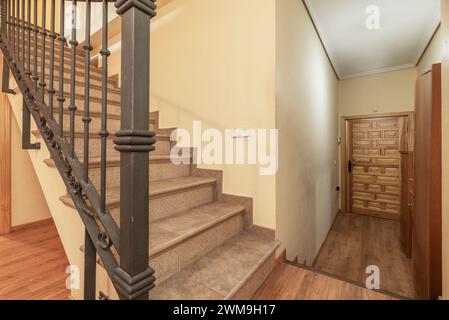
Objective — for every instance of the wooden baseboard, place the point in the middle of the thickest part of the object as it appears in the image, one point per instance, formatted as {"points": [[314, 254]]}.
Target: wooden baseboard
{"points": [[32, 225], [282, 258], [325, 239]]}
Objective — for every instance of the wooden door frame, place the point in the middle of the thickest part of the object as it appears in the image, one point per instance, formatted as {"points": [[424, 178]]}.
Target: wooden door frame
{"points": [[5, 159], [344, 156], [5, 165]]}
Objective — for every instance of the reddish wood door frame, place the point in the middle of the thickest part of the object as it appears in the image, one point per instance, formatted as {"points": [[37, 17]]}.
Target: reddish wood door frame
{"points": [[5, 165]]}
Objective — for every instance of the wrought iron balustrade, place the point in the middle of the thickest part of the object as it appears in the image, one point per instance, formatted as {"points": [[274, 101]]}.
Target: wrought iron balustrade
{"points": [[34, 45]]}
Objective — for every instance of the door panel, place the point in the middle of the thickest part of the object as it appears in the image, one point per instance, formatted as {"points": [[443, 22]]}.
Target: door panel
{"points": [[375, 178]]}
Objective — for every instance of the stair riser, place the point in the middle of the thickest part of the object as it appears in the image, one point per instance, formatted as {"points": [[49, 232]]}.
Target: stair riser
{"points": [[95, 125], [162, 147], [80, 58], [79, 90], [80, 63], [79, 78], [176, 258], [67, 49], [95, 73], [93, 105], [158, 171], [170, 204], [247, 291]]}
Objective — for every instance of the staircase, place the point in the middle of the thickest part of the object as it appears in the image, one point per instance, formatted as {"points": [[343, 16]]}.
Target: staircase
{"points": [[202, 244]]}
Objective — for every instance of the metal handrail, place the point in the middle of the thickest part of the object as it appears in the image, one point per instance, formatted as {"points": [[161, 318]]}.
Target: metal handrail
{"points": [[131, 275]]}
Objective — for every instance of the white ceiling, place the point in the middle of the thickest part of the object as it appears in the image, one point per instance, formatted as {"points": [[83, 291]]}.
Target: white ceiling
{"points": [[406, 27]]}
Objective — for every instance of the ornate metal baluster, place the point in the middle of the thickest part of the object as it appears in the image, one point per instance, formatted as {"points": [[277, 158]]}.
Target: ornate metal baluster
{"points": [[89, 252], [26, 132], [72, 106], [62, 41], [28, 51], [17, 31], [22, 26], [3, 14], [42, 83], [35, 76], [104, 107], [12, 36], [14, 27], [3, 18], [86, 118], [8, 16], [51, 91], [134, 141]]}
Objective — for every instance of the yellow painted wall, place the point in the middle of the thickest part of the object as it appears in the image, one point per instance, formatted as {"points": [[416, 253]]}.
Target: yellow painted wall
{"points": [[214, 61], [390, 92], [306, 115], [27, 199], [445, 142], [433, 53]]}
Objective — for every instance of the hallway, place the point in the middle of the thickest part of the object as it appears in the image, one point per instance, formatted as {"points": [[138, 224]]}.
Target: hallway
{"points": [[33, 264], [357, 241]]}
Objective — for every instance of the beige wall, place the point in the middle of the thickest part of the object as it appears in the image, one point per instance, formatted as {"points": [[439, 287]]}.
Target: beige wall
{"points": [[433, 53], [214, 61], [389, 92], [445, 142], [27, 199], [306, 115]]}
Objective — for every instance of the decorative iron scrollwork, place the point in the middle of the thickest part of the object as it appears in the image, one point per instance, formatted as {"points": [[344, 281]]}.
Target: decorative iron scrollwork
{"points": [[103, 240]]}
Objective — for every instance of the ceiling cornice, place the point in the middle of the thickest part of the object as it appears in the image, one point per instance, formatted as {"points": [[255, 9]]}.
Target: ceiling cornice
{"points": [[330, 52]]}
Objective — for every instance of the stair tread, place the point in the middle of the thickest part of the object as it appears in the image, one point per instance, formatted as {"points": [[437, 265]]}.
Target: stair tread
{"points": [[156, 188], [169, 231], [115, 160], [221, 272], [95, 135]]}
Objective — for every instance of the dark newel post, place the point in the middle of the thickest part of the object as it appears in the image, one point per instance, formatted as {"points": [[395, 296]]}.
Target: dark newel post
{"points": [[134, 141]]}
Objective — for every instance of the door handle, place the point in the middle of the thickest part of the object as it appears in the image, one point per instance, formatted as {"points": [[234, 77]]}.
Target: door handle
{"points": [[349, 166]]}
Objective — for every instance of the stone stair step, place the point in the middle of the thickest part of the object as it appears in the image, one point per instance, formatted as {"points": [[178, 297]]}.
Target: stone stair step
{"points": [[168, 197], [79, 82], [95, 125], [233, 270], [80, 62], [180, 239], [95, 94], [80, 78], [161, 168], [94, 106]]}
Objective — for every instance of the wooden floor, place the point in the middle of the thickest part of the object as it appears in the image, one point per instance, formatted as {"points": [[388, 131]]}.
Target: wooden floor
{"points": [[356, 242], [289, 282], [33, 264]]}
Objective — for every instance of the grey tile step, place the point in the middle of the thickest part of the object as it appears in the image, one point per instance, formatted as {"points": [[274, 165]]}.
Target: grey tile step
{"points": [[234, 269], [161, 168], [167, 197]]}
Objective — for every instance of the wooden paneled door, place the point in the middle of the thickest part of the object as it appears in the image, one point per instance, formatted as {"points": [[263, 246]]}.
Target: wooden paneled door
{"points": [[374, 165]]}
